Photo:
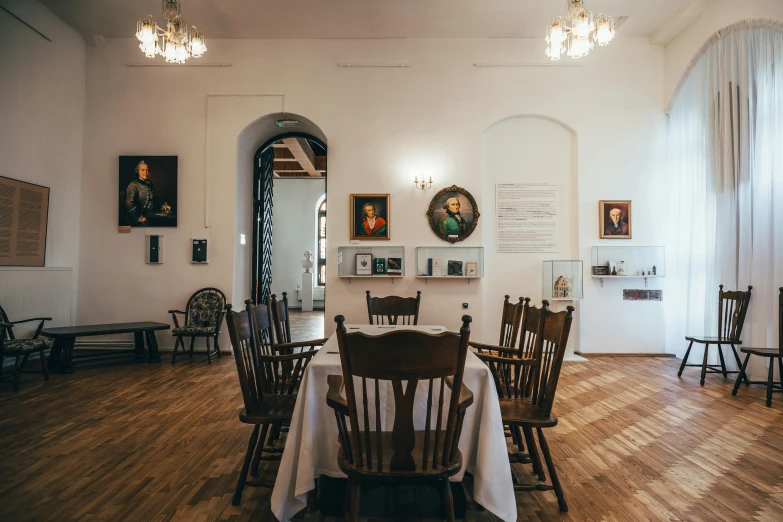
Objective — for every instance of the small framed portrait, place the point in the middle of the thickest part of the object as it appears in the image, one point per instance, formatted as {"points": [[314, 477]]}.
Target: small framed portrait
{"points": [[453, 214], [147, 192], [370, 216], [614, 219]]}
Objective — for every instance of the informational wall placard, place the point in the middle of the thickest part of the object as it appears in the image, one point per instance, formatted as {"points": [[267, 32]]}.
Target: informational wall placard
{"points": [[526, 217], [23, 212]]}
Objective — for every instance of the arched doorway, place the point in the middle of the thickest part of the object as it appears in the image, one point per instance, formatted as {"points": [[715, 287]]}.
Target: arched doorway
{"points": [[290, 157]]}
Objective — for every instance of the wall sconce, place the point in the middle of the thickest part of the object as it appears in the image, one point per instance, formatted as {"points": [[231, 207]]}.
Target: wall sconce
{"points": [[422, 184]]}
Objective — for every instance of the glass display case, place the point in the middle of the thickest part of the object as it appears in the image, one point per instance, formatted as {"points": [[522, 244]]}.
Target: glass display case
{"points": [[450, 262], [370, 261], [628, 261], [563, 280]]}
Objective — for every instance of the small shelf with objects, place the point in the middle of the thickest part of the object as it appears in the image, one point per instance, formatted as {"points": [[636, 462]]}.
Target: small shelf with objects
{"points": [[370, 262], [450, 262], [563, 280], [628, 262]]}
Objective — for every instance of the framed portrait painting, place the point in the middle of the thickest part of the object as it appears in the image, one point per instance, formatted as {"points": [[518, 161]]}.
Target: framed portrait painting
{"points": [[147, 192], [614, 219], [370, 216], [453, 214]]}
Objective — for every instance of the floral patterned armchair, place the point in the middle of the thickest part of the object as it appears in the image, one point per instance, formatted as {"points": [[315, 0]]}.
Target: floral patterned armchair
{"points": [[203, 318], [21, 349]]}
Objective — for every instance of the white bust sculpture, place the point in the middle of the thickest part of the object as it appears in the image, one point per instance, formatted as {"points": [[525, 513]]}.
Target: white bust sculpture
{"points": [[307, 264]]}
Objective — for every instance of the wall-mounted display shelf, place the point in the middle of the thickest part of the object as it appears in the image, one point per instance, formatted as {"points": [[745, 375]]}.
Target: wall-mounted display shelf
{"points": [[563, 280], [393, 258], [450, 262], [628, 262]]}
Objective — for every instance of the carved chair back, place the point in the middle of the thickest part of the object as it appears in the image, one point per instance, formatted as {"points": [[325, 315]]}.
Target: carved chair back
{"points": [[251, 379], [9, 329], [205, 308], [280, 318], [403, 358], [553, 331], [509, 322], [732, 308], [392, 309]]}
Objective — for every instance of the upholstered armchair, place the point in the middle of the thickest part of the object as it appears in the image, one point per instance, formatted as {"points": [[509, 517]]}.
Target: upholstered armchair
{"points": [[21, 349], [203, 318]]}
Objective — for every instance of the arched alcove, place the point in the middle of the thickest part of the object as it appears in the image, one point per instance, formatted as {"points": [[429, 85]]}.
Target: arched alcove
{"points": [[527, 148]]}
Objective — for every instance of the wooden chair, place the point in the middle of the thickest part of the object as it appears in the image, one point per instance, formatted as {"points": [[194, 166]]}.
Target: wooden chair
{"points": [[389, 310], [769, 353], [535, 411], [267, 390], [732, 308], [203, 318], [402, 456], [21, 349], [513, 370]]}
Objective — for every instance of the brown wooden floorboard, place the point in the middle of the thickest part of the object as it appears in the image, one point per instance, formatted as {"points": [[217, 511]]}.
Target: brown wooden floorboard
{"points": [[163, 442]]}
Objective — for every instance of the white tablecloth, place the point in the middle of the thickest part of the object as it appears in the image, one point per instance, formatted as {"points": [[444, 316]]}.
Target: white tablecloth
{"points": [[311, 446]]}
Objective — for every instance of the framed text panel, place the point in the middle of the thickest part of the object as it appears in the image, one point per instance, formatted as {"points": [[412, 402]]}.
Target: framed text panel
{"points": [[24, 208]]}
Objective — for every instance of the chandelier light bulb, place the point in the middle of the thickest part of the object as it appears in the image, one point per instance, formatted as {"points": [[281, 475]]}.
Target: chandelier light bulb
{"points": [[555, 36], [604, 32], [197, 45], [147, 30]]}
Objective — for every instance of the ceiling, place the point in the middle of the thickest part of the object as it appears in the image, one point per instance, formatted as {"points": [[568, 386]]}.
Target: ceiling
{"points": [[303, 19], [299, 158]]}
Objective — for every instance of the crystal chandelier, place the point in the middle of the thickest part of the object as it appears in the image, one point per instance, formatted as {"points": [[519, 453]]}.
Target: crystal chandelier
{"points": [[577, 34], [177, 42]]}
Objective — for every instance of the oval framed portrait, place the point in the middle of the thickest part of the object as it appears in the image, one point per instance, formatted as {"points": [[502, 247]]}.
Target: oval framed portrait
{"points": [[453, 214]]}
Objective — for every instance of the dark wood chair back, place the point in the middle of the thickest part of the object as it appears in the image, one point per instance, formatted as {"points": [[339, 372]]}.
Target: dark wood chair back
{"points": [[205, 308], [732, 308], [402, 357], [280, 319], [262, 327], [552, 340], [509, 322], [251, 381], [9, 331], [392, 309]]}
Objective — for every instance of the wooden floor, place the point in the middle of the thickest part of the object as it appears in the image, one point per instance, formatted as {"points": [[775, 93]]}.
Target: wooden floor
{"points": [[162, 442], [306, 325]]}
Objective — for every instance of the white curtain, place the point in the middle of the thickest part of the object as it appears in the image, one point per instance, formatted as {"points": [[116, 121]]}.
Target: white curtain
{"points": [[726, 166]]}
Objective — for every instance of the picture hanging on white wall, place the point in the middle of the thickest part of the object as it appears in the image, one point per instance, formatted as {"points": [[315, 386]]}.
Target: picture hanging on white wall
{"points": [[147, 192], [453, 214]]}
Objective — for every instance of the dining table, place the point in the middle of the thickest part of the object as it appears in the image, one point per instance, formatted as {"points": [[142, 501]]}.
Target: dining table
{"points": [[312, 443]]}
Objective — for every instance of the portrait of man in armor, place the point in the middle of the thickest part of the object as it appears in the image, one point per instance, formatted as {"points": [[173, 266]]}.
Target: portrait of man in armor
{"points": [[148, 191]]}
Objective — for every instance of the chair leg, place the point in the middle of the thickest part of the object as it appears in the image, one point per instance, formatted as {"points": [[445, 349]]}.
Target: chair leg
{"points": [[245, 466], [518, 438], [355, 500], [532, 450], [42, 356], [561, 501], [259, 451], [739, 364], [685, 359], [769, 383], [217, 347], [209, 351], [780, 371], [177, 342], [448, 501], [192, 344], [741, 375], [722, 361], [704, 364], [17, 373]]}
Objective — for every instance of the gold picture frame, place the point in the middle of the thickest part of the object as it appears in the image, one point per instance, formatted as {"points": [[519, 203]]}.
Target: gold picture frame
{"points": [[375, 227], [608, 228]]}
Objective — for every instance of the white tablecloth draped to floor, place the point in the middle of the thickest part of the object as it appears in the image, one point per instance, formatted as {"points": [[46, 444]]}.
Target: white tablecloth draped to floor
{"points": [[311, 446]]}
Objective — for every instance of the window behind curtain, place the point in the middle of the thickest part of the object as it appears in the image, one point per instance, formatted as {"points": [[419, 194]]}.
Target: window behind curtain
{"points": [[322, 244]]}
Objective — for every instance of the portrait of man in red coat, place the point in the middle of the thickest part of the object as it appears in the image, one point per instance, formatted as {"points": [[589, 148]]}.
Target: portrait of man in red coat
{"points": [[370, 217]]}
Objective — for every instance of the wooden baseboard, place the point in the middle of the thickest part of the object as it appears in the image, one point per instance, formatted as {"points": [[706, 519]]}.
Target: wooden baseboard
{"points": [[588, 355]]}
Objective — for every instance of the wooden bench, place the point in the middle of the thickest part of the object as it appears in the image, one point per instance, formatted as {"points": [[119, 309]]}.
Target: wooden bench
{"points": [[61, 357]]}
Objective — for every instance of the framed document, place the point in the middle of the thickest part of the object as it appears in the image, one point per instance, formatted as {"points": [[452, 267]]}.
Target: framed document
{"points": [[24, 209]]}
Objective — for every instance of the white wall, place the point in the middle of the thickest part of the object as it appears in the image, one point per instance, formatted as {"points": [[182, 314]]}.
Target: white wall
{"points": [[293, 231], [42, 108], [383, 126], [718, 14]]}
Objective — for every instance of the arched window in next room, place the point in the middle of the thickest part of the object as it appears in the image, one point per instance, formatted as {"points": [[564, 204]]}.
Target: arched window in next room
{"points": [[321, 246]]}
